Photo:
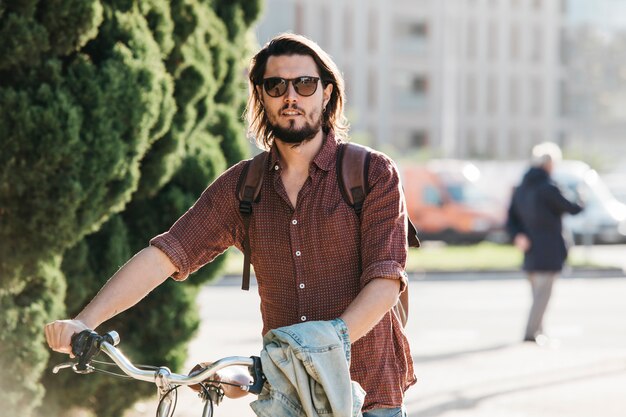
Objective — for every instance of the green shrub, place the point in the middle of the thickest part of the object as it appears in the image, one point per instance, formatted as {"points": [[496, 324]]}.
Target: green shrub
{"points": [[114, 115]]}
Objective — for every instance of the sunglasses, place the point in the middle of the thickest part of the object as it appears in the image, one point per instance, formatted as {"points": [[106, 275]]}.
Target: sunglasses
{"points": [[276, 86]]}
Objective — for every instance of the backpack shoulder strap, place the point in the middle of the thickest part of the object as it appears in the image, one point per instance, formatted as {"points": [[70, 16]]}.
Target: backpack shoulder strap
{"points": [[251, 180], [248, 192], [352, 168]]}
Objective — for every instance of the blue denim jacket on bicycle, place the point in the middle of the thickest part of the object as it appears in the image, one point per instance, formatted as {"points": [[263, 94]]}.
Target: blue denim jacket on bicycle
{"points": [[307, 367]]}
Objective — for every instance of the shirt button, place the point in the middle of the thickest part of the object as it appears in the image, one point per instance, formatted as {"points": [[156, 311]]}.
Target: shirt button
{"points": [[294, 221], [301, 285], [276, 167], [303, 318], [298, 253]]}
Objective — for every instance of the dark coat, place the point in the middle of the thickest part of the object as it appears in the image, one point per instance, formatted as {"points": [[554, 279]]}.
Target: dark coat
{"points": [[536, 209]]}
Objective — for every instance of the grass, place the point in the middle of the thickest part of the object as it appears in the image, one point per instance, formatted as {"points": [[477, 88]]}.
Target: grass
{"points": [[481, 257], [434, 256]]}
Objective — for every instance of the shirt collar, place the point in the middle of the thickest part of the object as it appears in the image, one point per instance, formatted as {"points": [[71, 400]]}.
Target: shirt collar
{"points": [[324, 159]]}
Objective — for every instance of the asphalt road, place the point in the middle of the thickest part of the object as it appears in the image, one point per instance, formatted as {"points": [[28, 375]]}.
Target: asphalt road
{"points": [[465, 336]]}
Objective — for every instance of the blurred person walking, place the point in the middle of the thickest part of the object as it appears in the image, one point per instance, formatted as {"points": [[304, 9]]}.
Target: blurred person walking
{"points": [[535, 224]]}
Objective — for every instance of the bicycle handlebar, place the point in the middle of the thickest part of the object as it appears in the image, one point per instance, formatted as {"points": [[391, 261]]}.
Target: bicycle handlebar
{"points": [[136, 373], [87, 344]]}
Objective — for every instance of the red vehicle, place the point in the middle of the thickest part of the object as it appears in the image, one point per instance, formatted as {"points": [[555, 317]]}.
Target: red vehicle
{"points": [[445, 203]]}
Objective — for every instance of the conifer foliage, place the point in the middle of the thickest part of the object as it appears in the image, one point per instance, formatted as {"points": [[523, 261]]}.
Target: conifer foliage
{"points": [[114, 115]]}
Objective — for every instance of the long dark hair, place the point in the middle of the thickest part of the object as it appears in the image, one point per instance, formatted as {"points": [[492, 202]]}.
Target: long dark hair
{"points": [[292, 44]]}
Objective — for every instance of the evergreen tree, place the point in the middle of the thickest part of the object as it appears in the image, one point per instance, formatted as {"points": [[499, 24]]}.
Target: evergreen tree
{"points": [[114, 116]]}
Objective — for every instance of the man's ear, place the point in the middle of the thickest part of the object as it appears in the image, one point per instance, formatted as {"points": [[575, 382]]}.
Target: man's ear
{"points": [[328, 90], [259, 92]]}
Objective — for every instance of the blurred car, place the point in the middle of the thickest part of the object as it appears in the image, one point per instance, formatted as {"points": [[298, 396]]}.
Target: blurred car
{"points": [[616, 181], [445, 204], [604, 217]]}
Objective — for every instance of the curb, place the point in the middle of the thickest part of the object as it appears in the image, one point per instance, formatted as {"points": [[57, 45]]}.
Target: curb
{"points": [[499, 275], [474, 275]]}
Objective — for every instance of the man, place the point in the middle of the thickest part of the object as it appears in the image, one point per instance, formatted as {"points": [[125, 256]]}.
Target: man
{"points": [[534, 223], [314, 258]]}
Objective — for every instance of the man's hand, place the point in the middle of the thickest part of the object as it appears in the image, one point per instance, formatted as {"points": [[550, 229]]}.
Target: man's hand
{"points": [[59, 334], [522, 242], [233, 375]]}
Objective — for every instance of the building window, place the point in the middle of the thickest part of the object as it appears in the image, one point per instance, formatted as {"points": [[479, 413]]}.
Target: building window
{"points": [[372, 30], [514, 42], [410, 90], [470, 94], [564, 51], [537, 43], [536, 97], [492, 94], [493, 43], [491, 145], [410, 36], [325, 30], [564, 108], [471, 144], [348, 23], [419, 85], [415, 29], [471, 40], [372, 88], [516, 145], [419, 139], [299, 18], [514, 96]]}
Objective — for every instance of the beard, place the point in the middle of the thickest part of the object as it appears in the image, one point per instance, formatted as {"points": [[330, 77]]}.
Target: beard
{"points": [[294, 135]]}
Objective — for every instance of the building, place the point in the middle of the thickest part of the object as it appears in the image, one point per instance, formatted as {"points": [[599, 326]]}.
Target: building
{"points": [[595, 103], [459, 78]]}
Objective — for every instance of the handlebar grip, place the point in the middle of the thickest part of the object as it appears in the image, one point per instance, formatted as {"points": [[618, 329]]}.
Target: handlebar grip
{"points": [[80, 341], [85, 345], [256, 371]]}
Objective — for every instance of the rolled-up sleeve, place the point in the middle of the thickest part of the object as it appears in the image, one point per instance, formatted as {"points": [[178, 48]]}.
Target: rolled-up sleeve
{"points": [[384, 224], [172, 247], [207, 229], [388, 270]]}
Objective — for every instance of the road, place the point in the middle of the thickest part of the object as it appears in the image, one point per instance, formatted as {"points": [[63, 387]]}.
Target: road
{"points": [[467, 351], [465, 336]]}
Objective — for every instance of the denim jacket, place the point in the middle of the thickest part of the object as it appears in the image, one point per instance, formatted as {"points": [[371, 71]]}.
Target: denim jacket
{"points": [[307, 367]]}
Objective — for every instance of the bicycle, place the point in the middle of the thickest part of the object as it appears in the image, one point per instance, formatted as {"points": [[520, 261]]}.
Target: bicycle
{"points": [[87, 344]]}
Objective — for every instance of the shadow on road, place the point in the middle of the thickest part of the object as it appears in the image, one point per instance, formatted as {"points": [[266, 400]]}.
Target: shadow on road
{"points": [[451, 355], [470, 397]]}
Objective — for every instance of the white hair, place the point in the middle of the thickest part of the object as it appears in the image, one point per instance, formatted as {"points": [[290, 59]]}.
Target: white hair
{"points": [[544, 153]]}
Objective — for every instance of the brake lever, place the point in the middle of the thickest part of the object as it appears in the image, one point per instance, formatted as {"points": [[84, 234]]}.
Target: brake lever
{"points": [[87, 369], [63, 365]]}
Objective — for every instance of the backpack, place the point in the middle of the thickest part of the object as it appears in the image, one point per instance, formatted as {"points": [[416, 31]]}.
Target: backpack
{"points": [[352, 169]]}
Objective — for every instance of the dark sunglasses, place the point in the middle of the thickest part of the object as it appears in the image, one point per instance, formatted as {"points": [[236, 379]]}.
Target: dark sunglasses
{"points": [[276, 86]]}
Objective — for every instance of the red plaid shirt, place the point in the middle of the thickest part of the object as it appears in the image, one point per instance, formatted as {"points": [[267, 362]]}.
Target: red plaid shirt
{"points": [[311, 261]]}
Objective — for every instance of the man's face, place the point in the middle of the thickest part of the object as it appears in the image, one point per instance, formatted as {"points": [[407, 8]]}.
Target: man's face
{"points": [[294, 117]]}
